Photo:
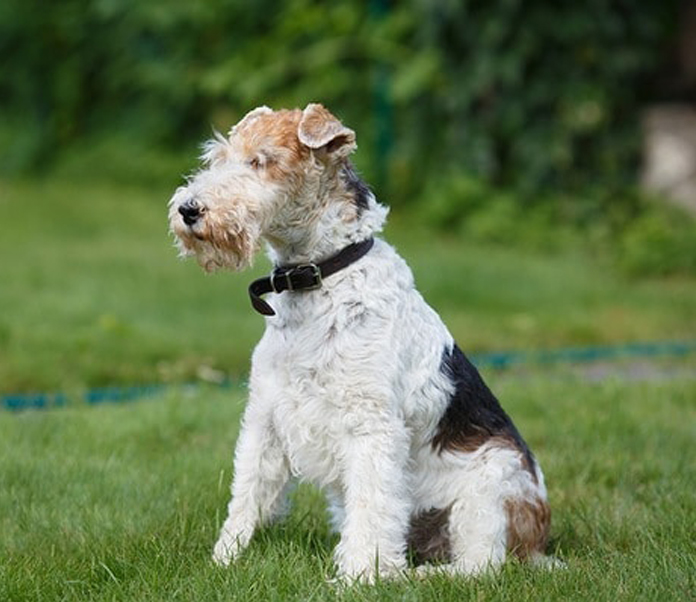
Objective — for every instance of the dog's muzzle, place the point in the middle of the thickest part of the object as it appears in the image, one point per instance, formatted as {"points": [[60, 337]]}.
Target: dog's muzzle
{"points": [[190, 212]]}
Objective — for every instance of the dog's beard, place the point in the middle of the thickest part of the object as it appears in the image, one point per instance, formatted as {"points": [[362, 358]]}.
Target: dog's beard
{"points": [[216, 242], [234, 253]]}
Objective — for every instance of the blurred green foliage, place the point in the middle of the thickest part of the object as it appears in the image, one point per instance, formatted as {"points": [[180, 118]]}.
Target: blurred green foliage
{"points": [[659, 241], [522, 93]]}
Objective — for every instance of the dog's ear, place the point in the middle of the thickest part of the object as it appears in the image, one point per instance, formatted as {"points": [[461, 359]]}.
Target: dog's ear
{"points": [[319, 129], [249, 117]]}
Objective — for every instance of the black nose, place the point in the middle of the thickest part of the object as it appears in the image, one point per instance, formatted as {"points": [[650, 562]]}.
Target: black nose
{"points": [[190, 211]]}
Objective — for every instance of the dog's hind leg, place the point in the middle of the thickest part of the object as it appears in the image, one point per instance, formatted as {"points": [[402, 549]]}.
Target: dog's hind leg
{"points": [[498, 507], [477, 539]]}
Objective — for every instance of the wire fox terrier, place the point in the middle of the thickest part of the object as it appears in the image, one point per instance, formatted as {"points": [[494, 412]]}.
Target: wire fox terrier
{"points": [[356, 384]]}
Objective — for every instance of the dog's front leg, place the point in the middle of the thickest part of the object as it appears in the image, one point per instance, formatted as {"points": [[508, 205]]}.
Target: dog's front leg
{"points": [[261, 473], [377, 505]]}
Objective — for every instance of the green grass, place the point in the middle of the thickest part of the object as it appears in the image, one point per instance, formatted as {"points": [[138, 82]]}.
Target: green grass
{"points": [[92, 294], [124, 502]]}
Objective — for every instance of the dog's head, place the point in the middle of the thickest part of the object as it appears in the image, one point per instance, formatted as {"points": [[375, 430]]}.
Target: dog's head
{"points": [[268, 178]]}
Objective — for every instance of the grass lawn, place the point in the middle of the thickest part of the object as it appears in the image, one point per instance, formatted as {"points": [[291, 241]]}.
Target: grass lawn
{"points": [[123, 502]]}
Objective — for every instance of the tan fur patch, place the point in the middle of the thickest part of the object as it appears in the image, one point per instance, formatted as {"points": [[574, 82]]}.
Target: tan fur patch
{"points": [[528, 526], [272, 131], [470, 443]]}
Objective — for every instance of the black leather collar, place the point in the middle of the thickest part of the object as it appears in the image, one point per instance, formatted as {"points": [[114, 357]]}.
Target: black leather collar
{"points": [[304, 276]]}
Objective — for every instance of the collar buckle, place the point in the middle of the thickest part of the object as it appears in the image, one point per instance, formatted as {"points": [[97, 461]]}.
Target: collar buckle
{"points": [[310, 270], [302, 277]]}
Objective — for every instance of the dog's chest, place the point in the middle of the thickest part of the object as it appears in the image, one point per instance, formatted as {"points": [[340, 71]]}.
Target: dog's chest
{"points": [[339, 367], [311, 430], [309, 413]]}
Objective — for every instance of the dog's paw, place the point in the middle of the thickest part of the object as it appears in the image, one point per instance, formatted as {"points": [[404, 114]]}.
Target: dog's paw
{"points": [[229, 546], [223, 554], [344, 580], [369, 573]]}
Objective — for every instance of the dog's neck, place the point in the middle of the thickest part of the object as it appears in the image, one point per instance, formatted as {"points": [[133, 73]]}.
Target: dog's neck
{"points": [[344, 212]]}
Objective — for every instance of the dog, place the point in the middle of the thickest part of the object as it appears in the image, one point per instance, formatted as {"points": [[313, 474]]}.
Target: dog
{"points": [[356, 384]]}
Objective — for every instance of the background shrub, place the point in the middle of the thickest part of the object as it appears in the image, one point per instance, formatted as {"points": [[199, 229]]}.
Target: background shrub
{"points": [[521, 93], [660, 241]]}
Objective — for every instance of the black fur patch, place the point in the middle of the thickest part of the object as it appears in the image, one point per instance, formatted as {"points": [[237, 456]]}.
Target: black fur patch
{"points": [[359, 189], [428, 536], [473, 415]]}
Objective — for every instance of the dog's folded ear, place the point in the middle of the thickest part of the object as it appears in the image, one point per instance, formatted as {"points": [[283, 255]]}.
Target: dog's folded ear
{"points": [[319, 129]]}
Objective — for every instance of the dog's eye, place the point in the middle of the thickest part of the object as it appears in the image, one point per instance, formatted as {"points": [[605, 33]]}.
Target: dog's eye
{"points": [[256, 163]]}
